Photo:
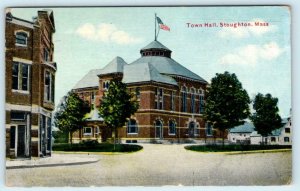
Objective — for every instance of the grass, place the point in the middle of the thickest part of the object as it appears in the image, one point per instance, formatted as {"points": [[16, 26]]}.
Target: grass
{"points": [[228, 148], [97, 147]]}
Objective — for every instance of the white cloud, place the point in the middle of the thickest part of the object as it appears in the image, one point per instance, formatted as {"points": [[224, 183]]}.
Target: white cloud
{"points": [[106, 33], [250, 54], [246, 31]]}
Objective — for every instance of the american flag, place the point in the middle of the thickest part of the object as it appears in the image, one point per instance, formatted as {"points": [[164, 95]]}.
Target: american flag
{"points": [[162, 25]]}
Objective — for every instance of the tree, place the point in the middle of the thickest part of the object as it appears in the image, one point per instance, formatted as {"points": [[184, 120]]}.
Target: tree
{"points": [[117, 106], [69, 115], [227, 103], [266, 117]]}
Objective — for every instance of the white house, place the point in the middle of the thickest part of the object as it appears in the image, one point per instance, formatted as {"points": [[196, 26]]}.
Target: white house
{"points": [[246, 134], [241, 133], [281, 136]]}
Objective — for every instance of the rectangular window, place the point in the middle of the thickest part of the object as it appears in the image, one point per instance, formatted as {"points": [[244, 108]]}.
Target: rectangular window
{"points": [[17, 116], [138, 92], [15, 76], [20, 76], [286, 139], [12, 137], [21, 38], [273, 139], [172, 101], [287, 130], [49, 87], [159, 101], [208, 129], [46, 54], [87, 131]]}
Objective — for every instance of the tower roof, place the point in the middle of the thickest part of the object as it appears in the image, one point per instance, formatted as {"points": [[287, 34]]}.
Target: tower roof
{"points": [[114, 66], [89, 80], [155, 45]]}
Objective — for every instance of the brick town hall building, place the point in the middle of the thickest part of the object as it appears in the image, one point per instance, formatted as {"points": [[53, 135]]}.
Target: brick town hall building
{"points": [[170, 96], [29, 85]]}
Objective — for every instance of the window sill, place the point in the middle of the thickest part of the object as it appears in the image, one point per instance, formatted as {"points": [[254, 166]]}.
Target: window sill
{"points": [[21, 45], [172, 134], [20, 91], [132, 133], [87, 134]]}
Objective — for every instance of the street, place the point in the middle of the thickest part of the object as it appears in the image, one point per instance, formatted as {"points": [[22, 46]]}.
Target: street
{"points": [[158, 165]]}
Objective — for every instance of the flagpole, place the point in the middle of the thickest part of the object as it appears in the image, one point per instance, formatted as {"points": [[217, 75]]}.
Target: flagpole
{"points": [[155, 27]]}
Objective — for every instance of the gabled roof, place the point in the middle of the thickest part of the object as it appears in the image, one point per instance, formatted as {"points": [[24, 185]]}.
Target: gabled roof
{"points": [[145, 72], [114, 66], [89, 80], [155, 45], [165, 65], [245, 128]]}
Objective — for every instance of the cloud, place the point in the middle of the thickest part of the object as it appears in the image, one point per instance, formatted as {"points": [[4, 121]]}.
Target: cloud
{"points": [[106, 33], [246, 31], [250, 54]]}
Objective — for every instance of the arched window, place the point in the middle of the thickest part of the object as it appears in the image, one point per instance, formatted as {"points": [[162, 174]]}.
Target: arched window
{"points": [[158, 129], [21, 38], [201, 101], [132, 127], [192, 127], [172, 127], [192, 100], [183, 99]]}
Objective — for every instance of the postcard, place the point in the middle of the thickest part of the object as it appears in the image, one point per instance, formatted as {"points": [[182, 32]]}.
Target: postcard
{"points": [[148, 96]]}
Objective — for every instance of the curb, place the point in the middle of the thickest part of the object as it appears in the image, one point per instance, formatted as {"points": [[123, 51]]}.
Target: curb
{"points": [[258, 151], [242, 152], [51, 165], [96, 153]]}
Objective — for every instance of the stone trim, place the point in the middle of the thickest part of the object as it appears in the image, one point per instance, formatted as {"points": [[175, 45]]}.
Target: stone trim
{"points": [[22, 60]]}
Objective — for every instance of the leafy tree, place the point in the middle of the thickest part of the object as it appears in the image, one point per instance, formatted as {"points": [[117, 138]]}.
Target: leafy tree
{"points": [[266, 117], [227, 103], [117, 106], [69, 115]]}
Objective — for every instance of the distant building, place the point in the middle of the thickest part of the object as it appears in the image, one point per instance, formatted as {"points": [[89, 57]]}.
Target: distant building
{"points": [[30, 83], [281, 136], [241, 133], [171, 99], [246, 134]]}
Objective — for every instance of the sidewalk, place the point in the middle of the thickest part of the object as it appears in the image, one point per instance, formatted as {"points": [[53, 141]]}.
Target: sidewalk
{"points": [[54, 160]]}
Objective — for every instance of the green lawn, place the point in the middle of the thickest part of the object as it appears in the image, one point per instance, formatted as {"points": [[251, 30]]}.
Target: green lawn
{"points": [[228, 148], [97, 147]]}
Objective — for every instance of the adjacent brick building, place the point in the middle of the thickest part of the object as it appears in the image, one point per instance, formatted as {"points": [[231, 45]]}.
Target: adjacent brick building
{"points": [[30, 83], [170, 96]]}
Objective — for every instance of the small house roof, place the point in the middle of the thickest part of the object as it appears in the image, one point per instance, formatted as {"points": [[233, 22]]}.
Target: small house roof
{"points": [[247, 127]]}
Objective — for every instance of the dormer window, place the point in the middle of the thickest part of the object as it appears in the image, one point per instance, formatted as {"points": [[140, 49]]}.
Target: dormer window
{"points": [[21, 38]]}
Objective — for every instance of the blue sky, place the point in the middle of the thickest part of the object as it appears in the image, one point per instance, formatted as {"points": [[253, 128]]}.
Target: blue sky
{"points": [[89, 38]]}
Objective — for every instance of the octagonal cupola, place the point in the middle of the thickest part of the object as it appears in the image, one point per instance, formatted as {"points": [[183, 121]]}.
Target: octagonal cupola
{"points": [[155, 48]]}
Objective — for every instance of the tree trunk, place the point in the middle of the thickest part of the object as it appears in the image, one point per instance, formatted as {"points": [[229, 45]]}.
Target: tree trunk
{"points": [[71, 138], [114, 138], [223, 132]]}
